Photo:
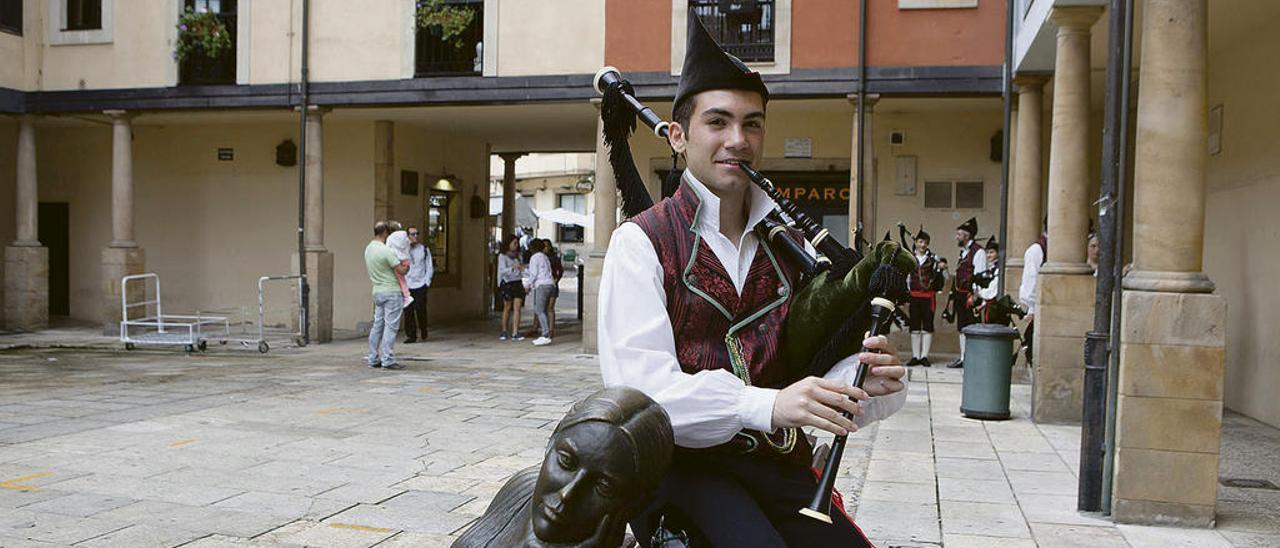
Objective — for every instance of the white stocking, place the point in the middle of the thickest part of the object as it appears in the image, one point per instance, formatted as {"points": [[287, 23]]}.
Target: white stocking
{"points": [[915, 344], [926, 342], [961, 347]]}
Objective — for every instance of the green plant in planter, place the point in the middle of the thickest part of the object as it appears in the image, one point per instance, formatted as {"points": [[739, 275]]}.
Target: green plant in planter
{"points": [[449, 21], [201, 33]]}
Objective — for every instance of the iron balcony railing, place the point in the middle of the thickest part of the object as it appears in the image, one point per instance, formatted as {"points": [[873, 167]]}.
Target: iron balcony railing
{"points": [[743, 28]]}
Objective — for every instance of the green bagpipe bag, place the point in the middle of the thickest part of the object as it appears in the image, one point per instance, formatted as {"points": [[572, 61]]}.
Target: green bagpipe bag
{"points": [[829, 315]]}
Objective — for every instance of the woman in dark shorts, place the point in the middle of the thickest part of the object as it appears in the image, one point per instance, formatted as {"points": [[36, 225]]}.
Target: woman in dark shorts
{"points": [[511, 288]]}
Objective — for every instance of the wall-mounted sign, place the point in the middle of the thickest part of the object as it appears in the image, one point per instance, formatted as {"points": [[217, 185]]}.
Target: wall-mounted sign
{"points": [[797, 147], [815, 193], [226, 154]]}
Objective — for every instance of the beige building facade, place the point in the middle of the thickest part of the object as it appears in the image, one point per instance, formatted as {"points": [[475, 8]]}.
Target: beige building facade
{"points": [[1194, 297]]}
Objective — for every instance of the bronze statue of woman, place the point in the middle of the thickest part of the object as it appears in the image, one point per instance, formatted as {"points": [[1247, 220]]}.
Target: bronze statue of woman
{"points": [[603, 462]]}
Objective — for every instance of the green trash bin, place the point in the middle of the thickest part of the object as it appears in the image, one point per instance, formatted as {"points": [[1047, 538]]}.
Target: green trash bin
{"points": [[988, 363]]}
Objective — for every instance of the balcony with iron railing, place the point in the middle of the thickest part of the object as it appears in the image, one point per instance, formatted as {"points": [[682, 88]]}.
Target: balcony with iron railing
{"points": [[743, 28], [461, 55], [198, 68]]}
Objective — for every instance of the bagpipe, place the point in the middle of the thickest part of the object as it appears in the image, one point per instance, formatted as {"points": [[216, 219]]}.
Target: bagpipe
{"points": [[845, 293]]}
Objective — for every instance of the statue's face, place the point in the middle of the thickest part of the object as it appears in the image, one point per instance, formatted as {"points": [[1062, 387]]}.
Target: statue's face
{"points": [[585, 478]]}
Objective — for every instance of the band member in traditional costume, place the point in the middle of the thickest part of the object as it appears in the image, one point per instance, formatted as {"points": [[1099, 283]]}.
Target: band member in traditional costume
{"points": [[692, 305], [924, 282], [973, 260]]}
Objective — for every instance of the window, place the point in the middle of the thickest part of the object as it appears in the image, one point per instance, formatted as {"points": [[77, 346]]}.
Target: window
{"points": [[441, 231], [743, 28], [954, 195], [969, 195], [84, 15], [577, 203], [11, 16], [205, 70], [460, 55]]}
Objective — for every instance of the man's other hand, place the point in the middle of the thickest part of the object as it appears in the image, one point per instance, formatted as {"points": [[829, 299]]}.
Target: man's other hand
{"points": [[818, 403]]}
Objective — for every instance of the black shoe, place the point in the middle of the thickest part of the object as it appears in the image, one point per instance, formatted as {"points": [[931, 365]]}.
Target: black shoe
{"points": [[913, 362], [374, 365], [958, 364], [394, 366], [925, 362]]}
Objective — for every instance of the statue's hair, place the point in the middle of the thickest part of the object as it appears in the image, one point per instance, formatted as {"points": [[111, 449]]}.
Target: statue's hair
{"points": [[643, 422]]}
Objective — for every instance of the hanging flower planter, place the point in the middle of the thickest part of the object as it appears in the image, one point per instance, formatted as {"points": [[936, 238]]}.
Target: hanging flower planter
{"points": [[201, 34], [443, 21]]}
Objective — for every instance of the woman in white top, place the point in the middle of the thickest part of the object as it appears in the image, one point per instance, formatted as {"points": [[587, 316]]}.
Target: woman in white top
{"points": [[540, 280]]}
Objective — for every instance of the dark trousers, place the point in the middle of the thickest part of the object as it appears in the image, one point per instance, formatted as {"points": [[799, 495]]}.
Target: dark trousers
{"points": [[745, 501], [964, 314], [920, 314], [415, 315]]}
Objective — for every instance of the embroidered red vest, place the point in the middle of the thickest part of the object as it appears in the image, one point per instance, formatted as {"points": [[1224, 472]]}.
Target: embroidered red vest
{"points": [[964, 270], [715, 328]]}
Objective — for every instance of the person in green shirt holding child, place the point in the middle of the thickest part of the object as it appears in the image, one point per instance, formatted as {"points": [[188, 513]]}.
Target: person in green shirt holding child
{"points": [[388, 303]]}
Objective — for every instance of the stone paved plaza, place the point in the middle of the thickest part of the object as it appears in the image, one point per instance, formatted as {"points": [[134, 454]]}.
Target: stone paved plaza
{"points": [[307, 447]]}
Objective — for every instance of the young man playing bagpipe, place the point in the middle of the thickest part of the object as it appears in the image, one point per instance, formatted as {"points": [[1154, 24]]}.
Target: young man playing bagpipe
{"points": [[692, 309]]}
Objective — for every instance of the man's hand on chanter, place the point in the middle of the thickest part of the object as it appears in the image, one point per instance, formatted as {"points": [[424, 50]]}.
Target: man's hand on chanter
{"points": [[885, 375], [817, 402]]}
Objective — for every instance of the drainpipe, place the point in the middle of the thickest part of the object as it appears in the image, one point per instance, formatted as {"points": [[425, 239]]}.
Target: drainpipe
{"points": [[860, 167], [1006, 91], [1117, 251], [1098, 342], [305, 305]]}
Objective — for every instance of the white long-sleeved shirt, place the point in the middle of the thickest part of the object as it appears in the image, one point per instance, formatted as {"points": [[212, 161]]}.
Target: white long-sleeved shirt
{"points": [[539, 273], [637, 343], [421, 267], [508, 269], [1031, 259]]}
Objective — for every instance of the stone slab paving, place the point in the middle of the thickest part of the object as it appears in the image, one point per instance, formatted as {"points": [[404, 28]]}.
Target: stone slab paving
{"points": [[307, 447], [1013, 483]]}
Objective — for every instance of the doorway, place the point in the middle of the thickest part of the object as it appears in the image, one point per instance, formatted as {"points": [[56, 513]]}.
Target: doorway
{"points": [[55, 234]]}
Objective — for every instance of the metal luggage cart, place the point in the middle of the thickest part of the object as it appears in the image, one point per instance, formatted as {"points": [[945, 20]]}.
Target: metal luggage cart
{"points": [[158, 328], [264, 333]]}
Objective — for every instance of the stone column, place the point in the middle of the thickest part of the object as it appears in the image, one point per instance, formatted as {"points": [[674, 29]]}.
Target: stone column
{"points": [[122, 257], [605, 220], [1065, 303], [1169, 415], [865, 173], [1025, 207], [26, 268], [384, 159], [319, 259], [509, 193]]}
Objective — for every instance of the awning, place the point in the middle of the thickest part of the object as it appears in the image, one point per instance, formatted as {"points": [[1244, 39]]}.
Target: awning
{"points": [[564, 217]]}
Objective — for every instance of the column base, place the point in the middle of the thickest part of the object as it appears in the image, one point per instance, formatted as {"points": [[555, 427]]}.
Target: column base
{"points": [[593, 268], [26, 287], [320, 281], [1168, 282], [1169, 408], [1064, 314], [118, 262], [1066, 268]]}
